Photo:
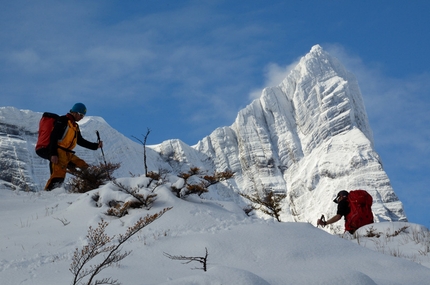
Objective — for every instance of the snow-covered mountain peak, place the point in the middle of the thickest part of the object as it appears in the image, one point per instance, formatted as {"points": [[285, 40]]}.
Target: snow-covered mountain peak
{"points": [[87, 119], [326, 93], [19, 119], [308, 137]]}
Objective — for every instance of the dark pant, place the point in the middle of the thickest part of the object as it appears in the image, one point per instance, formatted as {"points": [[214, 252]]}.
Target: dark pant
{"points": [[43, 153]]}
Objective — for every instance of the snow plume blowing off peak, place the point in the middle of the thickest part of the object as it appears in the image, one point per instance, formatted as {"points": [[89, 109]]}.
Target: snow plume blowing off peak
{"points": [[308, 138]]}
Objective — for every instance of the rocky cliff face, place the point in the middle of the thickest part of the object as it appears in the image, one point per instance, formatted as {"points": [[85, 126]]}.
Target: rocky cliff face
{"points": [[309, 137], [17, 141]]}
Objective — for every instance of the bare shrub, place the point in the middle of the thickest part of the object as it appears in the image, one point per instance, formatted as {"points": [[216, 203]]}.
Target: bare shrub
{"points": [[143, 200], [204, 182], [371, 232], [84, 267], [399, 231], [157, 178], [268, 203], [391, 242], [203, 260], [153, 175], [92, 177], [145, 137], [118, 209], [198, 189]]}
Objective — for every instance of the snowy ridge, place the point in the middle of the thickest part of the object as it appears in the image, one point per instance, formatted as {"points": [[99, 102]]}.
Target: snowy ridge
{"points": [[309, 137]]}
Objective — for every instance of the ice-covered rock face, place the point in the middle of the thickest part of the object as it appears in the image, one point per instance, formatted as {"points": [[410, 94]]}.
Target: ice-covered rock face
{"points": [[17, 133], [309, 138]]}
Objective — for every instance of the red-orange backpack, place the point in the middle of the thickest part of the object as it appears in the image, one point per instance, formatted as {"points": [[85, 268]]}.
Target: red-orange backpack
{"points": [[46, 125], [360, 203]]}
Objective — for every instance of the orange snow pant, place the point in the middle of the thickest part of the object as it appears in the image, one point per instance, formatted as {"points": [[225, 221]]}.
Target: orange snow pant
{"points": [[66, 160]]}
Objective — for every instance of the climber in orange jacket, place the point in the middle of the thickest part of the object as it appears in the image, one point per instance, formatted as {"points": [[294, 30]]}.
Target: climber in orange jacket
{"points": [[64, 137]]}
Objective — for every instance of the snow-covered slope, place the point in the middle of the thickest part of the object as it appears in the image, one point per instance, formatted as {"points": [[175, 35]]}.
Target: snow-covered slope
{"points": [[309, 137], [41, 231]]}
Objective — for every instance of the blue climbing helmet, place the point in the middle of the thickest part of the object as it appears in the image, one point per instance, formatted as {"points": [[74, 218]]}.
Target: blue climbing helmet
{"points": [[79, 108]]}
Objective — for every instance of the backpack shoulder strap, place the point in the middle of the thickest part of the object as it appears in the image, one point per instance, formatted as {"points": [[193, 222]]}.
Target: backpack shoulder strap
{"points": [[50, 115]]}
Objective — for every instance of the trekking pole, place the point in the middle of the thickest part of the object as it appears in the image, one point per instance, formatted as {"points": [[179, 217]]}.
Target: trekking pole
{"points": [[103, 154], [323, 220]]}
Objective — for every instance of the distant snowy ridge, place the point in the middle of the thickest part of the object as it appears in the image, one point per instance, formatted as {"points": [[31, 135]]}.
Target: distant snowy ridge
{"points": [[309, 137]]}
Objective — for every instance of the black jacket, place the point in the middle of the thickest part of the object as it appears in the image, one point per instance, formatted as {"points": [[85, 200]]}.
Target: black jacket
{"points": [[343, 208]]}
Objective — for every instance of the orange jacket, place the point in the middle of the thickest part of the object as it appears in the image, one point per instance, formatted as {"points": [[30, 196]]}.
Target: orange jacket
{"points": [[70, 136], [66, 135]]}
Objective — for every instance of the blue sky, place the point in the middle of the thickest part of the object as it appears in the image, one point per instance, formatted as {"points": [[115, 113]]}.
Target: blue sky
{"points": [[184, 68]]}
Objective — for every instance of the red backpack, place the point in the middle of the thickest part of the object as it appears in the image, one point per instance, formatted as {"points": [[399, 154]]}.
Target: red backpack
{"points": [[46, 125], [360, 203]]}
